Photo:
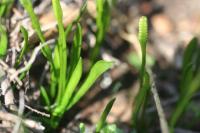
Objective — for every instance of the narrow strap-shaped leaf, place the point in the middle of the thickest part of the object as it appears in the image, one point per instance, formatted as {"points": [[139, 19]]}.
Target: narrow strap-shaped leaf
{"points": [[186, 78], [2, 8], [76, 49], [68, 30], [104, 115], [98, 68], [82, 10], [3, 41], [197, 62], [62, 48], [25, 45], [45, 96], [71, 86], [188, 65], [55, 72], [106, 15], [5, 6], [183, 102], [102, 22], [36, 26], [189, 52]]}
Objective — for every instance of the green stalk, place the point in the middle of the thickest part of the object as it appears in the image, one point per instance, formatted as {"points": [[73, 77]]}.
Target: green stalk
{"points": [[143, 36]]}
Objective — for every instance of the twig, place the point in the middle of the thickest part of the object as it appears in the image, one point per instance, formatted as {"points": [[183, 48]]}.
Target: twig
{"points": [[10, 71], [163, 121], [32, 59], [29, 123], [20, 112], [36, 111]]}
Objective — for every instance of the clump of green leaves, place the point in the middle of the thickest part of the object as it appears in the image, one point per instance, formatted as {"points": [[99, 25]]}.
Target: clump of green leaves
{"points": [[141, 98], [5, 6], [189, 80], [66, 87]]}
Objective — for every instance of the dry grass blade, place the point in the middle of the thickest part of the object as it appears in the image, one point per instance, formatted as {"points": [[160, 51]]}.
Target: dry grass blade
{"points": [[27, 122], [161, 114], [30, 62]]}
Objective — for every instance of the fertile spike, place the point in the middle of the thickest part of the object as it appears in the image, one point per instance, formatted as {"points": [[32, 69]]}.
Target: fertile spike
{"points": [[143, 31]]}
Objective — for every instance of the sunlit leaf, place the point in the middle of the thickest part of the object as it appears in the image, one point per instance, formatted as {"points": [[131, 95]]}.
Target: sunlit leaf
{"points": [[95, 72]]}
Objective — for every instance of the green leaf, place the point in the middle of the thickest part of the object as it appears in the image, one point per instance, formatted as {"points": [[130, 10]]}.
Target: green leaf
{"points": [[197, 62], [74, 80], [5, 6], [186, 78], [36, 26], [184, 100], [45, 96], [62, 49], [76, 49], [189, 64], [102, 121], [82, 10], [55, 72], [68, 30], [102, 22], [25, 45], [189, 52], [3, 41], [95, 72]]}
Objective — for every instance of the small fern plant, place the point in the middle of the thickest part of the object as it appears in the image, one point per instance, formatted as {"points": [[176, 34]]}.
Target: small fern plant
{"points": [[141, 98]]}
